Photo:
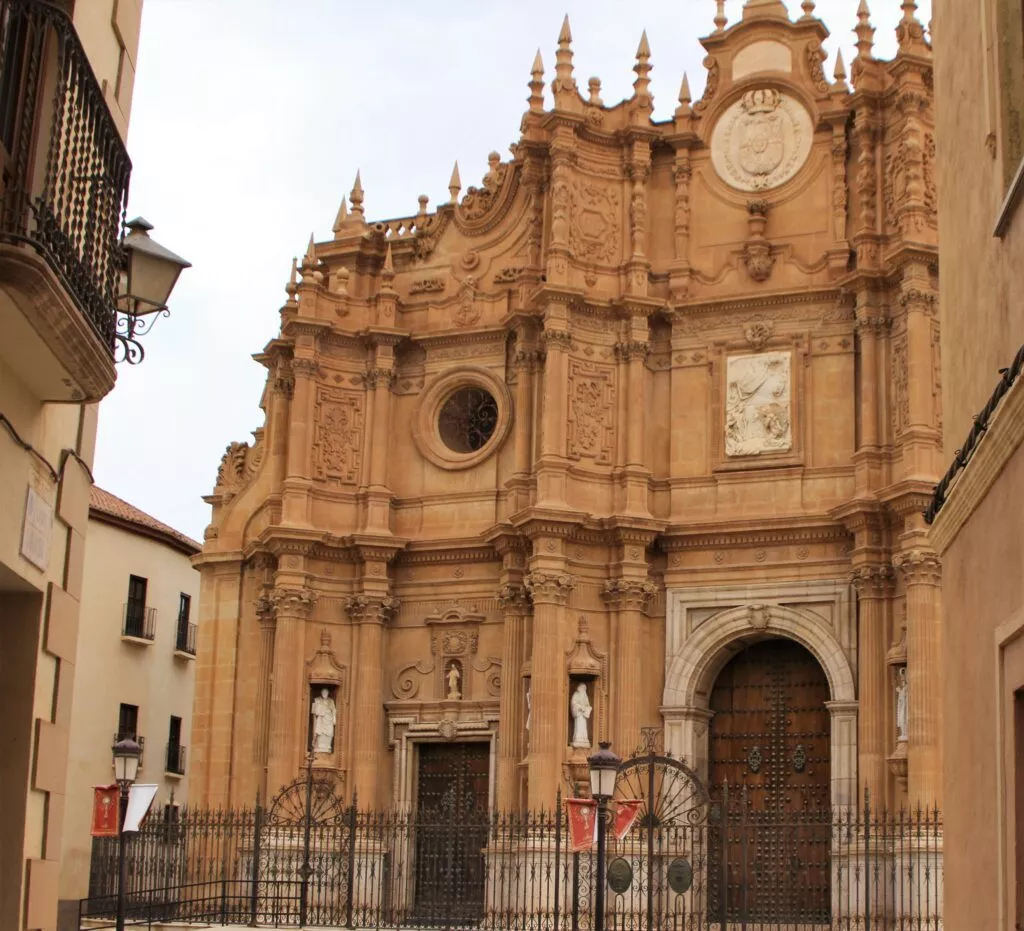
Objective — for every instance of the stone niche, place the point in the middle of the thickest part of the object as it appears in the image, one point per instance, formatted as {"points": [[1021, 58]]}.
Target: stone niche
{"points": [[323, 671], [585, 666]]}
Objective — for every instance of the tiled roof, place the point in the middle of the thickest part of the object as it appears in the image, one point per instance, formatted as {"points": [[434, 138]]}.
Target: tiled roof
{"points": [[102, 503]]}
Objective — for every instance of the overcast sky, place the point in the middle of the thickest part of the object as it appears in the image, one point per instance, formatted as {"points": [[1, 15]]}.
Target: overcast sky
{"points": [[250, 118]]}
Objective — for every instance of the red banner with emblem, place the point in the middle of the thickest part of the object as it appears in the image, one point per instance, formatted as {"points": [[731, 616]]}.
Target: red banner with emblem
{"points": [[105, 803], [582, 814], [626, 810]]}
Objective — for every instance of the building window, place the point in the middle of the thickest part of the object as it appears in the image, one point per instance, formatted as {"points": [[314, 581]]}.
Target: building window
{"points": [[185, 637], [175, 750], [138, 619], [467, 420], [128, 722]]}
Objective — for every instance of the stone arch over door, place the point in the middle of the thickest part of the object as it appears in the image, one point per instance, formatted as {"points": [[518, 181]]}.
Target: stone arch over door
{"points": [[691, 670]]}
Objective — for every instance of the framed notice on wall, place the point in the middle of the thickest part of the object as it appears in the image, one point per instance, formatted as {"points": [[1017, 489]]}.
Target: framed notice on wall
{"points": [[36, 529], [105, 802]]}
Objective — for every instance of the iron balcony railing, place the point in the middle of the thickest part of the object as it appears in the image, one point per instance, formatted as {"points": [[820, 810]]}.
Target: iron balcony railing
{"points": [[139, 622], [175, 759], [185, 641], [63, 168]]}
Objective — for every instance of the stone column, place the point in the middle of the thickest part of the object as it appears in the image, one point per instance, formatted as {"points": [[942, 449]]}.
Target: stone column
{"points": [[370, 612], [868, 459], [379, 379], [511, 715], [628, 597], [874, 585], [922, 573], [551, 467], [633, 352], [297, 483], [550, 591], [266, 615], [288, 699]]}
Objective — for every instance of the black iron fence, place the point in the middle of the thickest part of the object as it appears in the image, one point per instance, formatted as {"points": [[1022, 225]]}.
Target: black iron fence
{"points": [[64, 169], [343, 867]]}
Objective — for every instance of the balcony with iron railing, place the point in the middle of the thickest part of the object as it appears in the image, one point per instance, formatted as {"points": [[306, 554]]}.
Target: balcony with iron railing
{"points": [[138, 623], [175, 763], [64, 173], [185, 639]]}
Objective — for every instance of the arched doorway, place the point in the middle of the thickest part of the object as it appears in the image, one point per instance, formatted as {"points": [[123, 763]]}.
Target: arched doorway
{"points": [[770, 741]]}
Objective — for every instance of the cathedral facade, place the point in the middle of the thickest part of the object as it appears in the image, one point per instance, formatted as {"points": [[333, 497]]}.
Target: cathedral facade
{"points": [[632, 438]]}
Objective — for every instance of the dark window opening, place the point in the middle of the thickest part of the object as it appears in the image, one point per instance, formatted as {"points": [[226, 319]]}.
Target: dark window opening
{"points": [[128, 722], [468, 420]]}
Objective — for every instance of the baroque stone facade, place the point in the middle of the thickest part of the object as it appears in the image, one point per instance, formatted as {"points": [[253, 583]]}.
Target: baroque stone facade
{"points": [[649, 393]]}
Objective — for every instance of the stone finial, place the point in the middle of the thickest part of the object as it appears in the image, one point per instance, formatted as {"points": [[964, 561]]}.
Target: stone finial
{"points": [[293, 280], [309, 259], [536, 98], [909, 31], [721, 21], [356, 198], [342, 216], [594, 86], [642, 84], [564, 82], [839, 74], [808, 7], [865, 32], [454, 185], [388, 268], [685, 97], [422, 200]]}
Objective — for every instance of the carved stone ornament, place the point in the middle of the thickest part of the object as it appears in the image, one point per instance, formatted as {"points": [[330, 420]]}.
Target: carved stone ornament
{"points": [[758, 616], [757, 252], [232, 465], [551, 587], [594, 231], [324, 669], [591, 406], [371, 608], [758, 414], [758, 331], [582, 659], [761, 141], [629, 593], [338, 435], [294, 602]]}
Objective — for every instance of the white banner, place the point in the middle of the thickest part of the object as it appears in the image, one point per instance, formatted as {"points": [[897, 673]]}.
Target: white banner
{"points": [[140, 797]]}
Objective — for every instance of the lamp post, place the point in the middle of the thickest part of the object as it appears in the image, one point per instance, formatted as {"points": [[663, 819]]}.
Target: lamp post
{"points": [[127, 753], [604, 768], [150, 274]]}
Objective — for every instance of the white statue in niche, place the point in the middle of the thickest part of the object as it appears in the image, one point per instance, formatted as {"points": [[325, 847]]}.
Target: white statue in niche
{"points": [[581, 709], [757, 404], [901, 705], [454, 676], [325, 716], [529, 707]]}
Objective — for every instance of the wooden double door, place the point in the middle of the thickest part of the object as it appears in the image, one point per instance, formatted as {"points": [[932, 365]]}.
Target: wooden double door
{"points": [[451, 826], [770, 741]]}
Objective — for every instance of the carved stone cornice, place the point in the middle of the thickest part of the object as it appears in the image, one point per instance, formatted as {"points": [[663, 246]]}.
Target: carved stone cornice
{"points": [[371, 609], [293, 602], [549, 587], [513, 598], [628, 594], [873, 581], [919, 567]]}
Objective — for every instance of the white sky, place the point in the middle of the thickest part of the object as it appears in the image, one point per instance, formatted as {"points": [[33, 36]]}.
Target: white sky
{"points": [[248, 125]]}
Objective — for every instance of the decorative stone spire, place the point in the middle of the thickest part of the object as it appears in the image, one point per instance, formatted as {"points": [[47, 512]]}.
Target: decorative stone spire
{"points": [[339, 220], [564, 83], [387, 297], [865, 33], [685, 97], [808, 7], [454, 185], [387, 272], [909, 31], [421, 214], [309, 259], [721, 21], [642, 84], [356, 197], [536, 98], [291, 289], [594, 86], [840, 86]]}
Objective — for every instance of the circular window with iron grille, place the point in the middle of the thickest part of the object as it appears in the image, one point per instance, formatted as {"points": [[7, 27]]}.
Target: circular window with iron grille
{"points": [[463, 417], [467, 420]]}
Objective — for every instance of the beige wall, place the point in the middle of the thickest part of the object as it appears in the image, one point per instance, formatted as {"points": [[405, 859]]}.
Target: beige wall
{"points": [[112, 670], [978, 532]]}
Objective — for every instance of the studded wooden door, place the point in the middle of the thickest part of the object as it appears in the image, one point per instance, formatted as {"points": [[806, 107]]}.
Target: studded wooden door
{"points": [[770, 739], [451, 824]]}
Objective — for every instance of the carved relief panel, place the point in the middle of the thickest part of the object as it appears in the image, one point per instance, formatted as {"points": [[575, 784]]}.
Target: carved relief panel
{"points": [[758, 404], [591, 411], [338, 435], [594, 230]]}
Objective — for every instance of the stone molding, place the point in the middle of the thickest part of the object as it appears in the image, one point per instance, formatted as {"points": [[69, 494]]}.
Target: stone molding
{"points": [[918, 567], [371, 609], [1003, 436], [549, 587], [628, 594]]}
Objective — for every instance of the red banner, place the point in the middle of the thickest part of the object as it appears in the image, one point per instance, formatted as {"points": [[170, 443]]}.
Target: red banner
{"points": [[105, 803], [626, 810], [582, 814]]}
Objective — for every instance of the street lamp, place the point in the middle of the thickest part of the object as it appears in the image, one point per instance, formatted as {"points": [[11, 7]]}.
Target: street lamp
{"points": [[150, 274], [127, 754], [604, 768]]}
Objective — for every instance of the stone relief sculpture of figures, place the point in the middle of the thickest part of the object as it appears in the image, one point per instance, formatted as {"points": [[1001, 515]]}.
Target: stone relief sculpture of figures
{"points": [[325, 716], [454, 677], [901, 705], [581, 709], [757, 411]]}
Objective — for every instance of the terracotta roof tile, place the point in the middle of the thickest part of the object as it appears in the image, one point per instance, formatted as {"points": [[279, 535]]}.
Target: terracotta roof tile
{"points": [[103, 502]]}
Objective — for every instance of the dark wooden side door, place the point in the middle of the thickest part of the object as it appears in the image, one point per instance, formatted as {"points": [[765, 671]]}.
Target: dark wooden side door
{"points": [[451, 832], [770, 739]]}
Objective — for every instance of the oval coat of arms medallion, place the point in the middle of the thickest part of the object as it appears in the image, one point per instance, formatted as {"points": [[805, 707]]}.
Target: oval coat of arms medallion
{"points": [[761, 141]]}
